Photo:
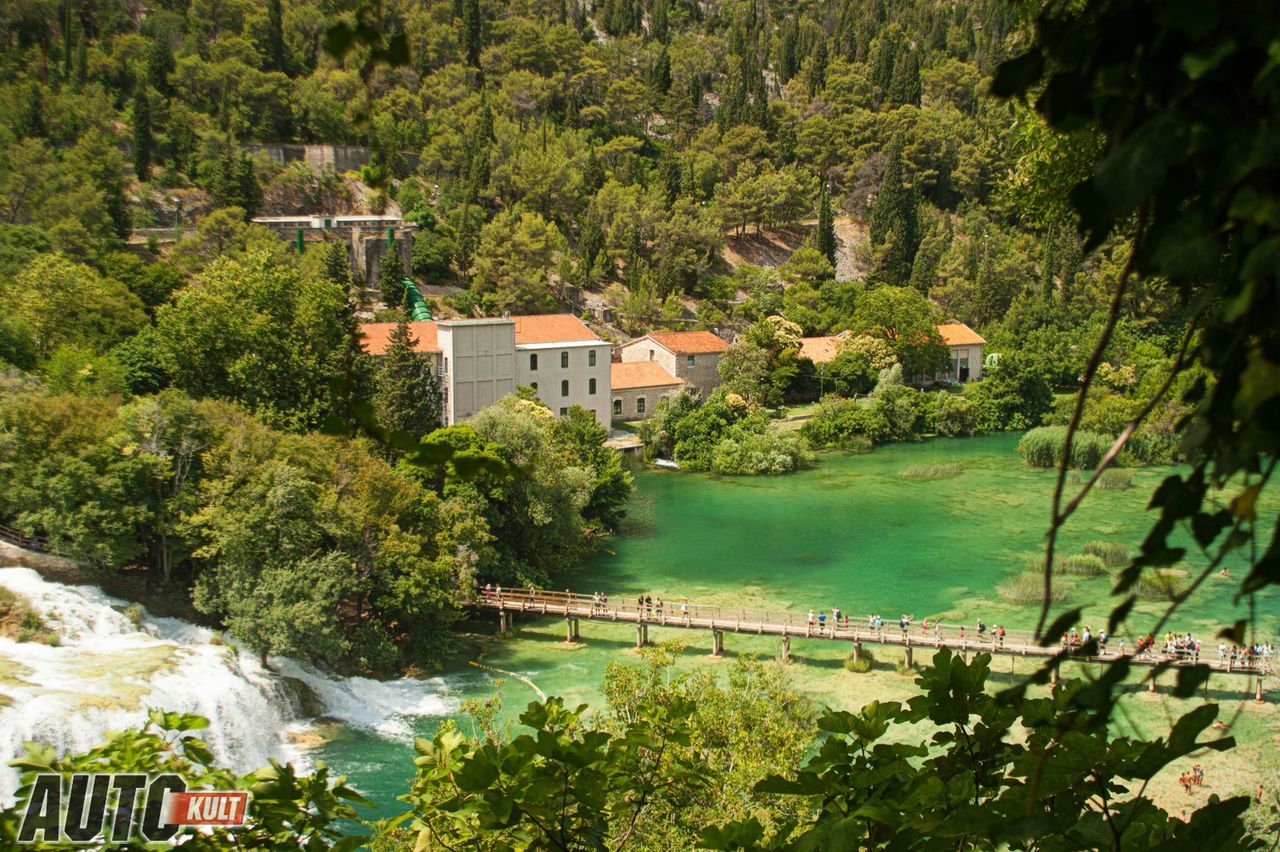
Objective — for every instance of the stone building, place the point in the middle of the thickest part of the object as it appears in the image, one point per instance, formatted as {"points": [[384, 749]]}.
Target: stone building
{"points": [[637, 386], [689, 355]]}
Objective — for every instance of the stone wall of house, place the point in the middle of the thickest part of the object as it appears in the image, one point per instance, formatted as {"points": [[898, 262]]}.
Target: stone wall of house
{"points": [[703, 375], [630, 397]]}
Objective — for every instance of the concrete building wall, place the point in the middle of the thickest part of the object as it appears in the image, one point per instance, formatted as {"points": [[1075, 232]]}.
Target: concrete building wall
{"points": [[478, 362], [630, 397], [558, 363]]}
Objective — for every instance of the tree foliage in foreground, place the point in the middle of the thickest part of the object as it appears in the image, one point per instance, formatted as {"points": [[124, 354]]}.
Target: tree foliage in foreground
{"points": [[682, 762]]}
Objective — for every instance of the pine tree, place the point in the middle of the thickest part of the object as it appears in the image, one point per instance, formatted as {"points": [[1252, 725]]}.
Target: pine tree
{"points": [[904, 87], [277, 59], [336, 264], [471, 32], [141, 132], [31, 118], [247, 189], [659, 22], [826, 234], [817, 77], [661, 77], [893, 224], [159, 65], [590, 244], [391, 282], [407, 394], [788, 51]]}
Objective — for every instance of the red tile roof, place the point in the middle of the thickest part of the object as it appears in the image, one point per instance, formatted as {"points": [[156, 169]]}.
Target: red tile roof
{"points": [[374, 336], [819, 350], [959, 334], [640, 374], [551, 328], [689, 342]]}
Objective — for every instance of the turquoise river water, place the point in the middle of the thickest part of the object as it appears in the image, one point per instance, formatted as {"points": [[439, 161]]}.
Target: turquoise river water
{"points": [[851, 532]]}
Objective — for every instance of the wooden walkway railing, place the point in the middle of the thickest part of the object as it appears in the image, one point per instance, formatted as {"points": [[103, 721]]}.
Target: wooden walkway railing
{"points": [[18, 538], [789, 624]]}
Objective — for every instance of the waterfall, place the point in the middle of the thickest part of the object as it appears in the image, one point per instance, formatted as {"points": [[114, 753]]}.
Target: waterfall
{"points": [[108, 672]]}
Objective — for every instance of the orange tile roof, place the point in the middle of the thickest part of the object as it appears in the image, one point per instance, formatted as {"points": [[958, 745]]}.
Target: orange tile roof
{"points": [[551, 328], [959, 334], [640, 374], [374, 336], [689, 342], [819, 350]]}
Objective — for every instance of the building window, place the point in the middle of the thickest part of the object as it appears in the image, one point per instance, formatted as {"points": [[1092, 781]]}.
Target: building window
{"points": [[564, 412], [617, 408], [688, 361], [650, 354], [564, 388], [591, 357], [533, 385], [591, 386], [446, 365], [533, 360], [640, 405], [564, 360]]}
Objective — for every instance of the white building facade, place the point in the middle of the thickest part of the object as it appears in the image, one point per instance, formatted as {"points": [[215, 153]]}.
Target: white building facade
{"points": [[479, 361]]}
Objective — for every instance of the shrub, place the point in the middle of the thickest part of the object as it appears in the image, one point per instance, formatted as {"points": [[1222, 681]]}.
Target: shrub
{"points": [[952, 414], [932, 471], [765, 452], [1112, 553], [1044, 445], [861, 665], [1157, 586], [1028, 588], [1082, 565], [1116, 479], [843, 424]]}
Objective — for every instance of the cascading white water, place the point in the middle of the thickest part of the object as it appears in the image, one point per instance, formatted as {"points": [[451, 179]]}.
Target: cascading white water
{"points": [[107, 673]]}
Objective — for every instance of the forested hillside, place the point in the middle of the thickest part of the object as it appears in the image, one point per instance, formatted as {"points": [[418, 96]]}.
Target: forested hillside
{"points": [[546, 150]]}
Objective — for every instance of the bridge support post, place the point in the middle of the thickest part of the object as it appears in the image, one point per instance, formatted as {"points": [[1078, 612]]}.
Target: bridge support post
{"points": [[504, 622], [857, 652], [571, 630], [786, 649], [906, 654], [1257, 693], [642, 635], [1151, 684], [1053, 675], [717, 643]]}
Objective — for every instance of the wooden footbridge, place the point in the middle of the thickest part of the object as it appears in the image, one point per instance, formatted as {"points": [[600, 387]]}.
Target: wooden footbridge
{"points": [[790, 624]]}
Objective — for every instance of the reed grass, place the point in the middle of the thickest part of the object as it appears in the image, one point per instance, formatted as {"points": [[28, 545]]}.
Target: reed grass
{"points": [[1081, 565], [1116, 479], [1027, 587], [932, 471], [1112, 553]]}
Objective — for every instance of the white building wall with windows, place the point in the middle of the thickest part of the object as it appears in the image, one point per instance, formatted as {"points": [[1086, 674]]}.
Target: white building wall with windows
{"points": [[564, 374]]}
